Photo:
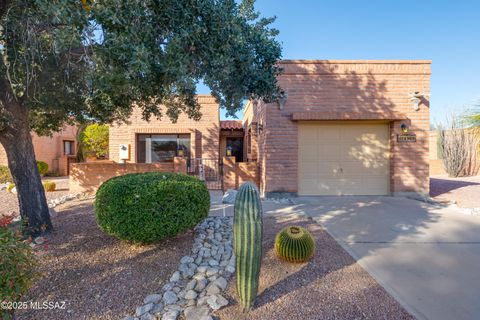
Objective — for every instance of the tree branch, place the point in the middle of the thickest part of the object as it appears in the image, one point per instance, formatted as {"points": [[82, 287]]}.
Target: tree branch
{"points": [[4, 4]]}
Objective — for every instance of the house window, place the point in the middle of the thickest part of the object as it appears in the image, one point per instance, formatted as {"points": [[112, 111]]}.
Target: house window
{"points": [[152, 148], [68, 147]]}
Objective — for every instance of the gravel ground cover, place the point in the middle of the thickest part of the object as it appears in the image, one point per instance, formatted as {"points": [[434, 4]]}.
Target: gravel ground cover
{"points": [[98, 276], [464, 191], [9, 201], [196, 287], [330, 286]]}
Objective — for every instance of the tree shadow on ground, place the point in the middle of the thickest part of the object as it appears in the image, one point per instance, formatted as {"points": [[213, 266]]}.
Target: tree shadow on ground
{"points": [[98, 275], [440, 186]]}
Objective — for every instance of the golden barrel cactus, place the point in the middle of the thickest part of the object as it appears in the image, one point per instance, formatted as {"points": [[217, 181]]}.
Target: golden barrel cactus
{"points": [[294, 244]]}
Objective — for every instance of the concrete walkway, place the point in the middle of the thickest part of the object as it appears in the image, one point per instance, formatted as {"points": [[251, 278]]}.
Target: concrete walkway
{"points": [[426, 256]]}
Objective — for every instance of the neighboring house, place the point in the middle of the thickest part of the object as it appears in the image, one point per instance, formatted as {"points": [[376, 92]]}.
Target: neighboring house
{"points": [[343, 128], [57, 150]]}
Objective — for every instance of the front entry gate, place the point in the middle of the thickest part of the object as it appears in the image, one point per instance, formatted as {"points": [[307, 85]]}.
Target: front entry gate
{"points": [[208, 170]]}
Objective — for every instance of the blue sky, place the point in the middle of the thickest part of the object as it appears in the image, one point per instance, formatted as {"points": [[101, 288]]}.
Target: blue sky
{"points": [[446, 32]]}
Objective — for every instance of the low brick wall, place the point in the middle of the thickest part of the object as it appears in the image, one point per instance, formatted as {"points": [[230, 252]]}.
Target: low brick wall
{"points": [[234, 174], [436, 167], [87, 177]]}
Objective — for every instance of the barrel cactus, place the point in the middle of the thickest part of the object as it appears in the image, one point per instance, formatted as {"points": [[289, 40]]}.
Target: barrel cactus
{"points": [[294, 244], [247, 235]]}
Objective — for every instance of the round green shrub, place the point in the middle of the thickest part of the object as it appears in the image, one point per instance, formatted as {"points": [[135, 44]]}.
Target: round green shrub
{"points": [[149, 207], [49, 186], [17, 265], [5, 175], [294, 244], [42, 167]]}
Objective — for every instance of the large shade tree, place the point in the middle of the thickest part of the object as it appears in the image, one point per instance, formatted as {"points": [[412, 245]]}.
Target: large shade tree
{"points": [[65, 61]]}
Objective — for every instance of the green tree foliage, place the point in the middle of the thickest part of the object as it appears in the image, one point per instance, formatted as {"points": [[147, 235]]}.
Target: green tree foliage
{"points": [[76, 61], [95, 140]]}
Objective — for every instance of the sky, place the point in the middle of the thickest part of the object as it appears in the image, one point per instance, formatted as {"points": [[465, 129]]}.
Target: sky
{"points": [[446, 32]]}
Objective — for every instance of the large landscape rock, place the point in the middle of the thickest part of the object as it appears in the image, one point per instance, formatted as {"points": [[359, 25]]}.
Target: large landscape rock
{"points": [[229, 196]]}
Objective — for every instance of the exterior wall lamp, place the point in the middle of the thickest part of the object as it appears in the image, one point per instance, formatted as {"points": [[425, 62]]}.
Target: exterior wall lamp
{"points": [[229, 151], [282, 99], [416, 97]]}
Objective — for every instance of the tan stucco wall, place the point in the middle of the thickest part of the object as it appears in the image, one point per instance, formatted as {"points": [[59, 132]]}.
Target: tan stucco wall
{"points": [[47, 148]]}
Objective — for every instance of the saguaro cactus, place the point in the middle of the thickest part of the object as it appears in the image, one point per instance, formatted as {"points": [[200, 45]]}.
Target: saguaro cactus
{"points": [[247, 233]]}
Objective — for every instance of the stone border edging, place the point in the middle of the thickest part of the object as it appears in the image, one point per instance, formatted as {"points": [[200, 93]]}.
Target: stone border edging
{"points": [[195, 289]]}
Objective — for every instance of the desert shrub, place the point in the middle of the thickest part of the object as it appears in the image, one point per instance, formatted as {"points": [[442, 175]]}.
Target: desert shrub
{"points": [[94, 140], [10, 187], [17, 266], [148, 207], [5, 175], [42, 167], [458, 147], [49, 186]]}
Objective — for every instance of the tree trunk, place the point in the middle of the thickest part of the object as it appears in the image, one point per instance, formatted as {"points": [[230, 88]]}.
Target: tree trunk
{"points": [[17, 141]]}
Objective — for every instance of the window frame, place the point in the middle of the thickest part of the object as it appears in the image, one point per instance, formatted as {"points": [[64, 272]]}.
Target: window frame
{"points": [[178, 137]]}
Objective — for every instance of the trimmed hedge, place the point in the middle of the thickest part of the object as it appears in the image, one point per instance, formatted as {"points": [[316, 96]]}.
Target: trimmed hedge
{"points": [[149, 207]]}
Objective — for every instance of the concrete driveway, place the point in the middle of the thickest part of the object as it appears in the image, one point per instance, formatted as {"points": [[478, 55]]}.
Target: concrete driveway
{"points": [[426, 256]]}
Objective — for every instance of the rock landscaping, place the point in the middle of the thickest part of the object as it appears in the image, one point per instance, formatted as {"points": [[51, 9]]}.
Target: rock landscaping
{"points": [[195, 289]]}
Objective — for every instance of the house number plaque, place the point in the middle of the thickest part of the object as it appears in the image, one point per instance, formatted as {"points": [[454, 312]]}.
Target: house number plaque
{"points": [[406, 137]]}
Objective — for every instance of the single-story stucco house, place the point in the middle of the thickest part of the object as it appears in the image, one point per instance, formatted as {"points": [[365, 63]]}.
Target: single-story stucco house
{"points": [[343, 128], [57, 150]]}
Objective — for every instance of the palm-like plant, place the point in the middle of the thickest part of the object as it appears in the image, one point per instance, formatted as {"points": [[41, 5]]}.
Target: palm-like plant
{"points": [[472, 117]]}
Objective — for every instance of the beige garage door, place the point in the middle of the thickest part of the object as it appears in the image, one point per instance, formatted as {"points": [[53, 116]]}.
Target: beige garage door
{"points": [[343, 158]]}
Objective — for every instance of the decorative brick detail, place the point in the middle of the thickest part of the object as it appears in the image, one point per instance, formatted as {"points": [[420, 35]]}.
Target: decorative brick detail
{"points": [[345, 115]]}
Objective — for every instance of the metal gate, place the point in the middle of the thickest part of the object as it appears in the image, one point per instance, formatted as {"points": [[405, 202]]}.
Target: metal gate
{"points": [[208, 170]]}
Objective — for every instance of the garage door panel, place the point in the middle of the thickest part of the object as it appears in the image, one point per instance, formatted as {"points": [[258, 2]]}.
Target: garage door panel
{"points": [[324, 187], [355, 168], [308, 134], [344, 159], [310, 154], [327, 170], [327, 151]]}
